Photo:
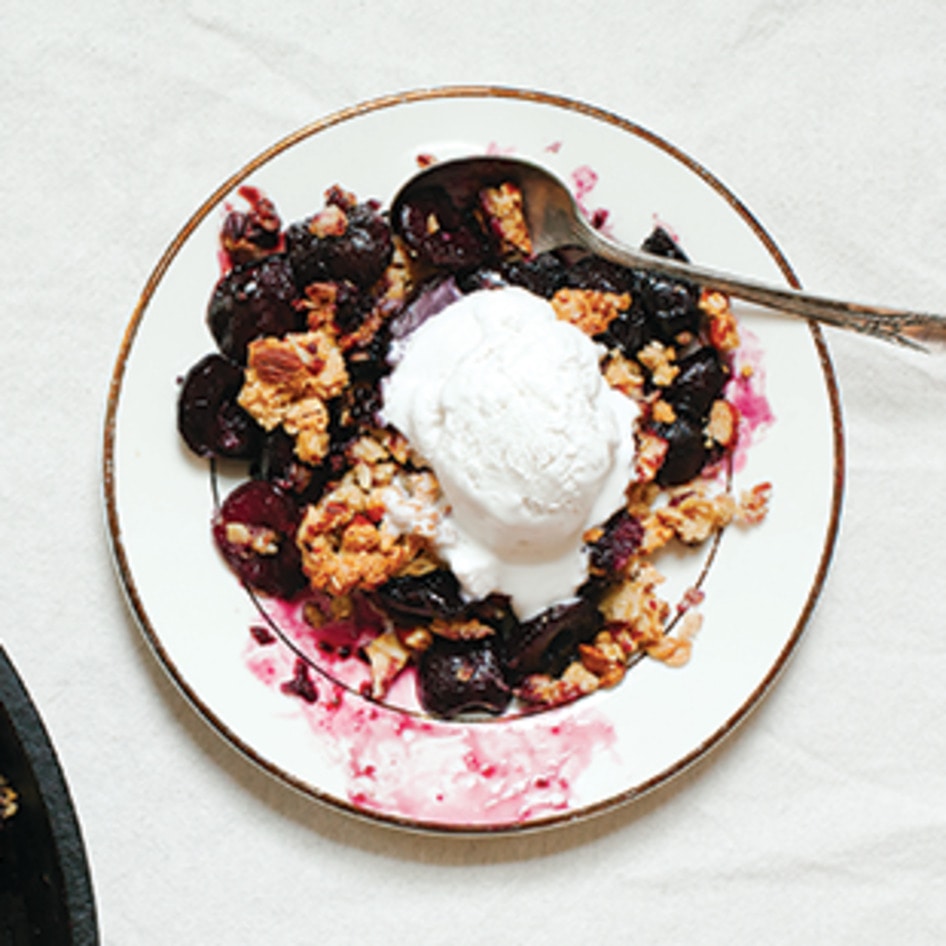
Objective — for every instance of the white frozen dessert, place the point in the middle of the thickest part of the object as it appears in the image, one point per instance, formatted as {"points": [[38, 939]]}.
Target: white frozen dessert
{"points": [[529, 444]]}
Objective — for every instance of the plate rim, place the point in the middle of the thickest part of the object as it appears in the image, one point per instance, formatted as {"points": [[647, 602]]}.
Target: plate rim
{"points": [[112, 518]]}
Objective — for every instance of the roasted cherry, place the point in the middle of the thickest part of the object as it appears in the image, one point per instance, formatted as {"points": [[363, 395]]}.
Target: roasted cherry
{"points": [[252, 301], [278, 463], [621, 537], [544, 274], [488, 276], [700, 381], [255, 530], [358, 249], [629, 332], [496, 611], [462, 677], [364, 251], [545, 643], [661, 243], [592, 272], [442, 234], [435, 594], [687, 452], [209, 418], [671, 306]]}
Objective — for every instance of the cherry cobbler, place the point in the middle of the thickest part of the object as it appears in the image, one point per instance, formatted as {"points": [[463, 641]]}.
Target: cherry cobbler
{"points": [[478, 451]]}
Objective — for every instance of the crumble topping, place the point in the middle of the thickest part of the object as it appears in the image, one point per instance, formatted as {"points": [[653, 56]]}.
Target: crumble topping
{"points": [[624, 375], [319, 304], [691, 516], [504, 210], [632, 605], [606, 657], [258, 539], [287, 383], [590, 309], [723, 423], [541, 689], [663, 412], [346, 539], [675, 649], [659, 360], [651, 452], [330, 222], [754, 504], [723, 330]]}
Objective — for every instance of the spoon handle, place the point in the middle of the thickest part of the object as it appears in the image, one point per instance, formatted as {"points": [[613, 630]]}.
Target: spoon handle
{"points": [[913, 329]]}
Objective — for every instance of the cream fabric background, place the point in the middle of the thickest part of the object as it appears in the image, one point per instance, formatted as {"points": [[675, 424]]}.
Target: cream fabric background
{"points": [[824, 818]]}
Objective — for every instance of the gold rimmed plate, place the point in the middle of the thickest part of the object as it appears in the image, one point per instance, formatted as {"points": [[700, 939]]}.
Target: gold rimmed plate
{"points": [[381, 760]]}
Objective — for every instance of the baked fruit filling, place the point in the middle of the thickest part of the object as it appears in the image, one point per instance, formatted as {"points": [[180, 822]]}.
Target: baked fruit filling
{"points": [[368, 448]]}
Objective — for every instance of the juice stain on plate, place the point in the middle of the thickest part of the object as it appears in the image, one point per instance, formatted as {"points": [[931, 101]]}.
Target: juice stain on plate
{"points": [[746, 392], [451, 773]]}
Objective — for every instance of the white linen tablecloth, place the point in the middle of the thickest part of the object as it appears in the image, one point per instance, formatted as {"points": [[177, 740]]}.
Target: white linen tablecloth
{"points": [[824, 818]]}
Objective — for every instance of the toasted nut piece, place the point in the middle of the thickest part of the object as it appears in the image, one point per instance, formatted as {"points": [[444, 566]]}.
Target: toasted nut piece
{"points": [[387, 657], [415, 639], [659, 360], [332, 221], [287, 382], [754, 504], [723, 426]]}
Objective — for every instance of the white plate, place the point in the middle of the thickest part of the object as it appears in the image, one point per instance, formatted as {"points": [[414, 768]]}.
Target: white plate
{"points": [[528, 771]]}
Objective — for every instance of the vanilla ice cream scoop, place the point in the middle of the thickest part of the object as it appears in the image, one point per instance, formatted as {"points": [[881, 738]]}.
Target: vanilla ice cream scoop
{"points": [[531, 447]]}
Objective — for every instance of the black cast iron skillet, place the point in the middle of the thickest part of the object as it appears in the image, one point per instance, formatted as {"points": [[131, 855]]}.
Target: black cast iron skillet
{"points": [[45, 889]]}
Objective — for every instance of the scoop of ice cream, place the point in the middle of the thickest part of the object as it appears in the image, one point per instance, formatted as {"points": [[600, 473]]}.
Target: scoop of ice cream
{"points": [[508, 406]]}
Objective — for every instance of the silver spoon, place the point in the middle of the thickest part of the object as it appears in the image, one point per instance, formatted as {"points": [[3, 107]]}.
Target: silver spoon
{"points": [[555, 221]]}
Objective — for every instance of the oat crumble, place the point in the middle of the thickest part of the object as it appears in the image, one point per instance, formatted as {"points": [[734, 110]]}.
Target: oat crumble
{"points": [[288, 382]]}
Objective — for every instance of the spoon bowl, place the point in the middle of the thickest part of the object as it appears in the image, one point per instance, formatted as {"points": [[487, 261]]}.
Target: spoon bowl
{"points": [[555, 222]]}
